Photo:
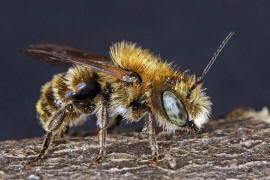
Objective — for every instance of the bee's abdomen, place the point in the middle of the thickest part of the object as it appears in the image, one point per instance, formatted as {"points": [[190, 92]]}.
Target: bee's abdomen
{"points": [[78, 86], [49, 99], [46, 105], [60, 88], [78, 76], [52, 97]]}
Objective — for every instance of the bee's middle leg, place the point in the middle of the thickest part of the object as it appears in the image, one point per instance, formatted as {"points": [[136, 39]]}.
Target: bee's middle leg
{"points": [[102, 122]]}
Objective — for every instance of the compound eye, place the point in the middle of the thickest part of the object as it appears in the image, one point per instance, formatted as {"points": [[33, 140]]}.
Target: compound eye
{"points": [[174, 109]]}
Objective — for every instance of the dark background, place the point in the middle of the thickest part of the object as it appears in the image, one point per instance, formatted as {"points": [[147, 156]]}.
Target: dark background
{"points": [[186, 32]]}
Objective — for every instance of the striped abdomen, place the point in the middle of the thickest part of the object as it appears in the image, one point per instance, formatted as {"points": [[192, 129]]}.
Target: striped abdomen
{"points": [[66, 88]]}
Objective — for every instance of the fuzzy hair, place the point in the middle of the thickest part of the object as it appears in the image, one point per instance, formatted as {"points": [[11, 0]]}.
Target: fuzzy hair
{"points": [[59, 87], [76, 75], [129, 56], [53, 97], [43, 106], [155, 73]]}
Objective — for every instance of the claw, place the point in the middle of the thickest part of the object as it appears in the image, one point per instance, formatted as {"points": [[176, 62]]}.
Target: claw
{"points": [[97, 161], [154, 162], [30, 163]]}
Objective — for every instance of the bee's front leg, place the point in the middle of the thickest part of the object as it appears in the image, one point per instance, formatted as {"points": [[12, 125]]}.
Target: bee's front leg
{"points": [[152, 138], [102, 122]]}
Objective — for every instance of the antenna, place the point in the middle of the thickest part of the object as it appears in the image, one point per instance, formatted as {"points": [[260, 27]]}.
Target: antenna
{"points": [[211, 62]]}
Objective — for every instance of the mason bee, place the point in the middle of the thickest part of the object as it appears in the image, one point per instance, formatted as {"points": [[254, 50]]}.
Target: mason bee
{"points": [[132, 83]]}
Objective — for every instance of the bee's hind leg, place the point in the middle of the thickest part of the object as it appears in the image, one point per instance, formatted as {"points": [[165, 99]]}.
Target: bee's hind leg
{"points": [[48, 139], [54, 124], [65, 132]]}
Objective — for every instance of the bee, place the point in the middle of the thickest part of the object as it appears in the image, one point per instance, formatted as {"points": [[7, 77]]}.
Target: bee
{"points": [[132, 83]]}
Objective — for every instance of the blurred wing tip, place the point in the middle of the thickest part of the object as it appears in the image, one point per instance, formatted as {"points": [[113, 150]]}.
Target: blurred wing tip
{"points": [[24, 51]]}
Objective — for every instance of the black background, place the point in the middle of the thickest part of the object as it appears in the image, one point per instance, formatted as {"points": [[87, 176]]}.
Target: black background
{"points": [[186, 32]]}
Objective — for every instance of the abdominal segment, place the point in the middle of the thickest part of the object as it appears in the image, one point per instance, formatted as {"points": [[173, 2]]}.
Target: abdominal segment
{"points": [[65, 89]]}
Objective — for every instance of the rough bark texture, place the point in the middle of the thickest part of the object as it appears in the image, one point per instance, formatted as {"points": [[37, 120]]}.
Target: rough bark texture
{"points": [[236, 146]]}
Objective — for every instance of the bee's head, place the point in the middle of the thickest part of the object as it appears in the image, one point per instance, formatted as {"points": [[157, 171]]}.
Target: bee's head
{"points": [[180, 108], [182, 101]]}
